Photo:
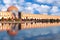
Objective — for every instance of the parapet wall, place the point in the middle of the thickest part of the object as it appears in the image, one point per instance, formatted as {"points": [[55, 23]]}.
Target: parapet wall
{"points": [[38, 16]]}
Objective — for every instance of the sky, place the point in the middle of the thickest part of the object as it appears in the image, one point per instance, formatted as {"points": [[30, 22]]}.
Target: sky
{"points": [[48, 7]]}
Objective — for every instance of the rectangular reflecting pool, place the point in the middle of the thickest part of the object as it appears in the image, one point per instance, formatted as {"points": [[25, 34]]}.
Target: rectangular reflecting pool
{"points": [[30, 31]]}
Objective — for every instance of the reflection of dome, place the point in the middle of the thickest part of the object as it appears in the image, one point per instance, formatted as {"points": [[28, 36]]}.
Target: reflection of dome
{"points": [[12, 8], [12, 32]]}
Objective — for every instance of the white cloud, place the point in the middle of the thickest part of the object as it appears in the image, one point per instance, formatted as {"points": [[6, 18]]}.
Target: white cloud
{"points": [[42, 1], [45, 1], [4, 9], [20, 8], [58, 14], [29, 7], [57, 3], [43, 9], [49, 1], [1, 7], [21, 1], [29, 10], [55, 10], [7, 5], [54, 2], [28, 4], [7, 1], [17, 6], [14, 3], [35, 6]]}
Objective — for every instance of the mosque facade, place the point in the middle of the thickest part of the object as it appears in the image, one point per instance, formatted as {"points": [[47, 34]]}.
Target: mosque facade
{"points": [[38, 16], [12, 12]]}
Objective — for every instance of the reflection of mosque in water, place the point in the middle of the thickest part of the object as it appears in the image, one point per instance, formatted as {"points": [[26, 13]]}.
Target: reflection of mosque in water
{"points": [[12, 29]]}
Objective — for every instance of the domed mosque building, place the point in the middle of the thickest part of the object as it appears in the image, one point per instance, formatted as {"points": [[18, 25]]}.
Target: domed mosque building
{"points": [[14, 11], [12, 8], [15, 14]]}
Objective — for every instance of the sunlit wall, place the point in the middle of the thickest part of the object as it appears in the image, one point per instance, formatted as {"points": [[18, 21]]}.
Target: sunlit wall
{"points": [[38, 16]]}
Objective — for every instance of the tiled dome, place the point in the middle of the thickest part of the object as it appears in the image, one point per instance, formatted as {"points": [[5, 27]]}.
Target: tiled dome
{"points": [[12, 8]]}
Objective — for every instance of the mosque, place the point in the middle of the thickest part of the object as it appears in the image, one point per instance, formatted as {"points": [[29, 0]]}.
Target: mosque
{"points": [[13, 12]]}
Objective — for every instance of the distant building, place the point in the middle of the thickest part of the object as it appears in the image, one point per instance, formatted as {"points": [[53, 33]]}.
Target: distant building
{"points": [[38, 16], [12, 13], [6, 15]]}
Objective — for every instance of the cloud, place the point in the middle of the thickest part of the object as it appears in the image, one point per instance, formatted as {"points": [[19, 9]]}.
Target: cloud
{"points": [[35, 6], [21, 1], [29, 10], [14, 3], [57, 3], [49, 1], [45, 1], [28, 4], [29, 7], [43, 9], [53, 2], [7, 5], [42, 1], [55, 10], [7, 1], [20, 8], [1, 7], [4, 9]]}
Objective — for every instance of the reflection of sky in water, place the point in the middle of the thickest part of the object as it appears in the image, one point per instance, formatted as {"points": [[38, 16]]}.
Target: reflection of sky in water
{"points": [[50, 33]]}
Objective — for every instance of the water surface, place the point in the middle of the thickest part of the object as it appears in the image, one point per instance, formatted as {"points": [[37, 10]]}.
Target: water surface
{"points": [[30, 31]]}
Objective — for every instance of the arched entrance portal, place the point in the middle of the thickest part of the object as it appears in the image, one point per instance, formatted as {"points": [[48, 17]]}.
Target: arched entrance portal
{"points": [[15, 12]]}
